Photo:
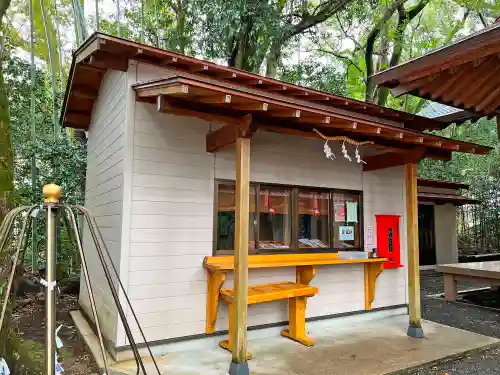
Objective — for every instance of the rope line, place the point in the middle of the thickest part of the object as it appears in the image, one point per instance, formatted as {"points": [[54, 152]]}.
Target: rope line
{"points": [[343, 138]]}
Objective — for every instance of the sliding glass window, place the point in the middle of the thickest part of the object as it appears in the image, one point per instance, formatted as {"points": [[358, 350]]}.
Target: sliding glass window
{"points": [[288, 219]]}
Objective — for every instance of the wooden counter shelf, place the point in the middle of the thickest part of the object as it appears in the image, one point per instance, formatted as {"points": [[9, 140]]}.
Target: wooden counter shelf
{"points": [[305, 265]]}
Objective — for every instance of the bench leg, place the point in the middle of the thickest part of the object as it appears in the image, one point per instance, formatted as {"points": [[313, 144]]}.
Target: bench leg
{"points": [[227, 344], [214, 283], [450, 288], [297, 324]]}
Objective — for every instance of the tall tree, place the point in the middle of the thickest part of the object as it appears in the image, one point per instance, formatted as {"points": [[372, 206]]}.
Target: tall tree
{"points": [[6, 155], [258, 30]]}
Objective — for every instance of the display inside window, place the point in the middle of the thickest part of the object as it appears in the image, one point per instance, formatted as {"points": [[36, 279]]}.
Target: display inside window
{"points": [[275, 218], [313, 210], [346, 226], [226, 206]]}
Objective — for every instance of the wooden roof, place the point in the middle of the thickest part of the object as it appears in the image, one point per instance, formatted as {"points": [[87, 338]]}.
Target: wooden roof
{"points": [[214, 100], [251, 102], [103, 51], [443, 184], [440, 198], [464, 75]]}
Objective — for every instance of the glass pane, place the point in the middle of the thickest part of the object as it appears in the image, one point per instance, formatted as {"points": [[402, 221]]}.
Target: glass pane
{"points": [[275, 218], [313, 219], [346, 226], [226, 206]]}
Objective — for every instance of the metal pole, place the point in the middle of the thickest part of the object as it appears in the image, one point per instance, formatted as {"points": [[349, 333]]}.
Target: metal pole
{"points": [[51, 194], [89, 286]]}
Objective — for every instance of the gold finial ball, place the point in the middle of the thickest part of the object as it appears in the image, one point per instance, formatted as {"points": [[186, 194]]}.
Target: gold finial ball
{"points": [[51, 193]]}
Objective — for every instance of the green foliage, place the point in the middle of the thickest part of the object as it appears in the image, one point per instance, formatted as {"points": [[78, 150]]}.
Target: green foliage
{"points": [[478, 225], [311, 73], [60, 160]]}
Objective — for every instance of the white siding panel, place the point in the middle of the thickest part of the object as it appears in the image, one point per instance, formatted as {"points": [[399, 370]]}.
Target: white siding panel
{"points": [[167, 289], [103, 196], [171, 226], [165, 262], [169, 221], [172, 208], [170, 248]]}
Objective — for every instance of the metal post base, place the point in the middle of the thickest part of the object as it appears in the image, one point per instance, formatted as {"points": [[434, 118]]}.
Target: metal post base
{"points": [[416, 332], [239, 369]]}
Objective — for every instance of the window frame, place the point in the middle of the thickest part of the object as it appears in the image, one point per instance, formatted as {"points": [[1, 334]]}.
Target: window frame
{"points": [[295, 219]]}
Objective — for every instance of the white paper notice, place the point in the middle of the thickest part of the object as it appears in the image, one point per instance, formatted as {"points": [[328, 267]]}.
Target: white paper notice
{"points": [[369, 236], [346, 233], [352, 212]]}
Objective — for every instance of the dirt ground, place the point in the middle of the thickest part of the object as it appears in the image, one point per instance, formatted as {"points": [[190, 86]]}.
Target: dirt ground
{"points": [[29, 323]]}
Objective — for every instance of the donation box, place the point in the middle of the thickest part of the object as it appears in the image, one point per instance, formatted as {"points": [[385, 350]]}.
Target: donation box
{"points": [[388, 240]]}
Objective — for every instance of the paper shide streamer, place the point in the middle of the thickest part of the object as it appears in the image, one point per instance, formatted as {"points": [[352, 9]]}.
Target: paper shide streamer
{"points": [[329, 153]]}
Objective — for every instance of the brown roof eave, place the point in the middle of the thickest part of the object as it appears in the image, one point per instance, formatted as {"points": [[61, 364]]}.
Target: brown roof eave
{"points": [[441, 58], [457, 200], [133, 50], [444, 184], [188, 89]]}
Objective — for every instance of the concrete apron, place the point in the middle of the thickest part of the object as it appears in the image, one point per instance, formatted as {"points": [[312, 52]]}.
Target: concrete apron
{"points": [[343, 346]]}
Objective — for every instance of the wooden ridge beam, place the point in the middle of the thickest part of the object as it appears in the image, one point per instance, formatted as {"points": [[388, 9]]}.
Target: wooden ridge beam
{"points": [[164, 106], [107, 60], [293, 113], [248, 106], [227, 135], [466, 84], [216, 99], [481, 87], [80, 120], [82, 92], [308, 119], [172, 90], [392, 159], [443, 90]]}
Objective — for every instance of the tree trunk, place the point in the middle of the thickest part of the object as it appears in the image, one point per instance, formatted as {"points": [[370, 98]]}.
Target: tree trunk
{"points": [[370, 47], [498, 134], [181, 30], [6, 155], [273, 59], [404, 18]]}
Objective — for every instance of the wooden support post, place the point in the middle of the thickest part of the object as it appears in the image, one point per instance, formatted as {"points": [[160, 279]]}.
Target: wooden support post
{"points": [[239, 365], [415, 326], [372, 271], [214, 283], [450, 287], [297, 321]]}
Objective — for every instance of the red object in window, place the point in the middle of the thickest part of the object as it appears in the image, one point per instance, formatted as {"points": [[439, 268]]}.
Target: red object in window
{"points": [[388, 240]]}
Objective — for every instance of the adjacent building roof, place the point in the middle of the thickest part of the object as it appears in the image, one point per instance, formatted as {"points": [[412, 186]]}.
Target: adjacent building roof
{"points": [[442, 192], [203, 89], [446, 114], [441, 198], [464, 75], [442, 184]]}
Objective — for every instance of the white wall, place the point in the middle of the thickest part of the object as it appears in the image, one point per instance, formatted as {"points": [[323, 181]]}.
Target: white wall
{"points": [[172, 222], [163, 183], [104, 191], [445, 224]]}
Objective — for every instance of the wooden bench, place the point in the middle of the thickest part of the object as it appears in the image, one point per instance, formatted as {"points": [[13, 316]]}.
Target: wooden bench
{"points": [[479, 272], [296, 292]]}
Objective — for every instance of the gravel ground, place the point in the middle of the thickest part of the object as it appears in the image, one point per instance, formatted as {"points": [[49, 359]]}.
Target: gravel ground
{"points": [[464, 316]]}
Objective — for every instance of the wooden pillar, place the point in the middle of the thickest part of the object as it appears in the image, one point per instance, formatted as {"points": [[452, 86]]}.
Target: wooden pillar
{"points": [[239, 330], [415, 326]]}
